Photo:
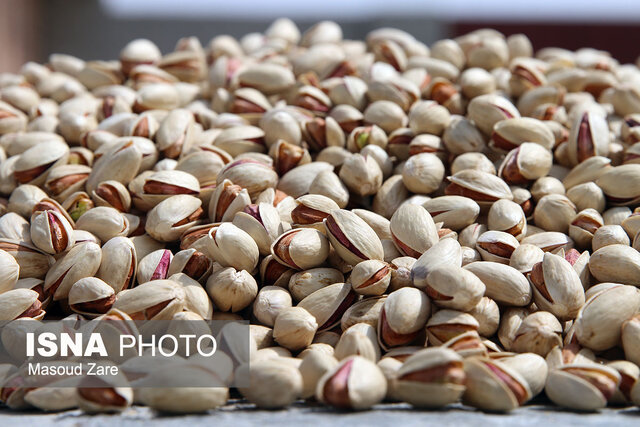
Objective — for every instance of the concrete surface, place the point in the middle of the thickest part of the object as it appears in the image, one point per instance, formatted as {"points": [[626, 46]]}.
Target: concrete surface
{"points": [[243, 415]]}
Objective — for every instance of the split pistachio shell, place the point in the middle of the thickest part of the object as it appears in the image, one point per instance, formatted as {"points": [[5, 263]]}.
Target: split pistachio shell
{"points": [[597, 326], [359, 339], [9, 271], [18, 303], [352, 238], [171, 217], [154, 266], [582, 387], [413, 230], [301, 248], [261, 222], [508, 216], [110, 399], [158, 299], [454, 287], [51, 232], [328, 304], [432, 378], [493, 386], [371, 277], [91, 297], [355, 383], [455, 212], [504, 284], [118, 263], [444, 253], [532, 367], [404, 313], [83, 260], [480, 186], [557, 287], [497, 246], [446, 324], [616, 263]]}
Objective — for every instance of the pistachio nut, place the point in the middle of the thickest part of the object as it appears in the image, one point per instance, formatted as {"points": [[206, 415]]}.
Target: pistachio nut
{"points": [[585, 387], [353, 239], [157, 299], [51, 232], [355, 383], [404, 314], [232, 290], [504, 284], [328, 304]]}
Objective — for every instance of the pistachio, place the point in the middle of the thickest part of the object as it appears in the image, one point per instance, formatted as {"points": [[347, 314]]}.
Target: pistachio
{"points": [[51, 232], [585, 387], [232, 290], [454, 287], [557, 287], [157, 299], [404, 313], [503, 283], [269, 302], [294, 328], [493, 386], [353, 239], [432, 377], [269, 375], [355, 383], [328, 304], [359, 339], [91, 297]]}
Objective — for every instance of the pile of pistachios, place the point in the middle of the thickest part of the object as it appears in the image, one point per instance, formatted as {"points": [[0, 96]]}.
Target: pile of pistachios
{"points": [[398, 222]]}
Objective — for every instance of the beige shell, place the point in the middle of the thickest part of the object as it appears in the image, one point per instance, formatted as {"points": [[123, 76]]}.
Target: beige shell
{"points": [[142, 301], [9, 271], [328, 304], [118, 263], [352, 238], [616, 263], [560, 291], [504, 284], [404, 313], [363, 381], [274, 384], [566, 388], [488, 391], [413, 230], [83, 260], [269, 302], [91, 290], [444, 253], [232, 290], [359, 339], [103, 222], [301, 248], [454, 287], [437, 392], [597, 326], [455, 212], [294, 328]]}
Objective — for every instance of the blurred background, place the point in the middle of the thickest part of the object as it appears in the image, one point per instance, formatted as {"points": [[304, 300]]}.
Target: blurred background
{"points": [[98, 29]]}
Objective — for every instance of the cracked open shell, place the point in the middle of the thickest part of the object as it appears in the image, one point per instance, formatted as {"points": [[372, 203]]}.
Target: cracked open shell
{"points": [[585, 387], [431, 378], [493, 386]]}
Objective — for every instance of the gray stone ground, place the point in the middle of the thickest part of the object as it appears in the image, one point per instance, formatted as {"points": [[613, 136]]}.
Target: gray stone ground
{"points": [[243, 415]]}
